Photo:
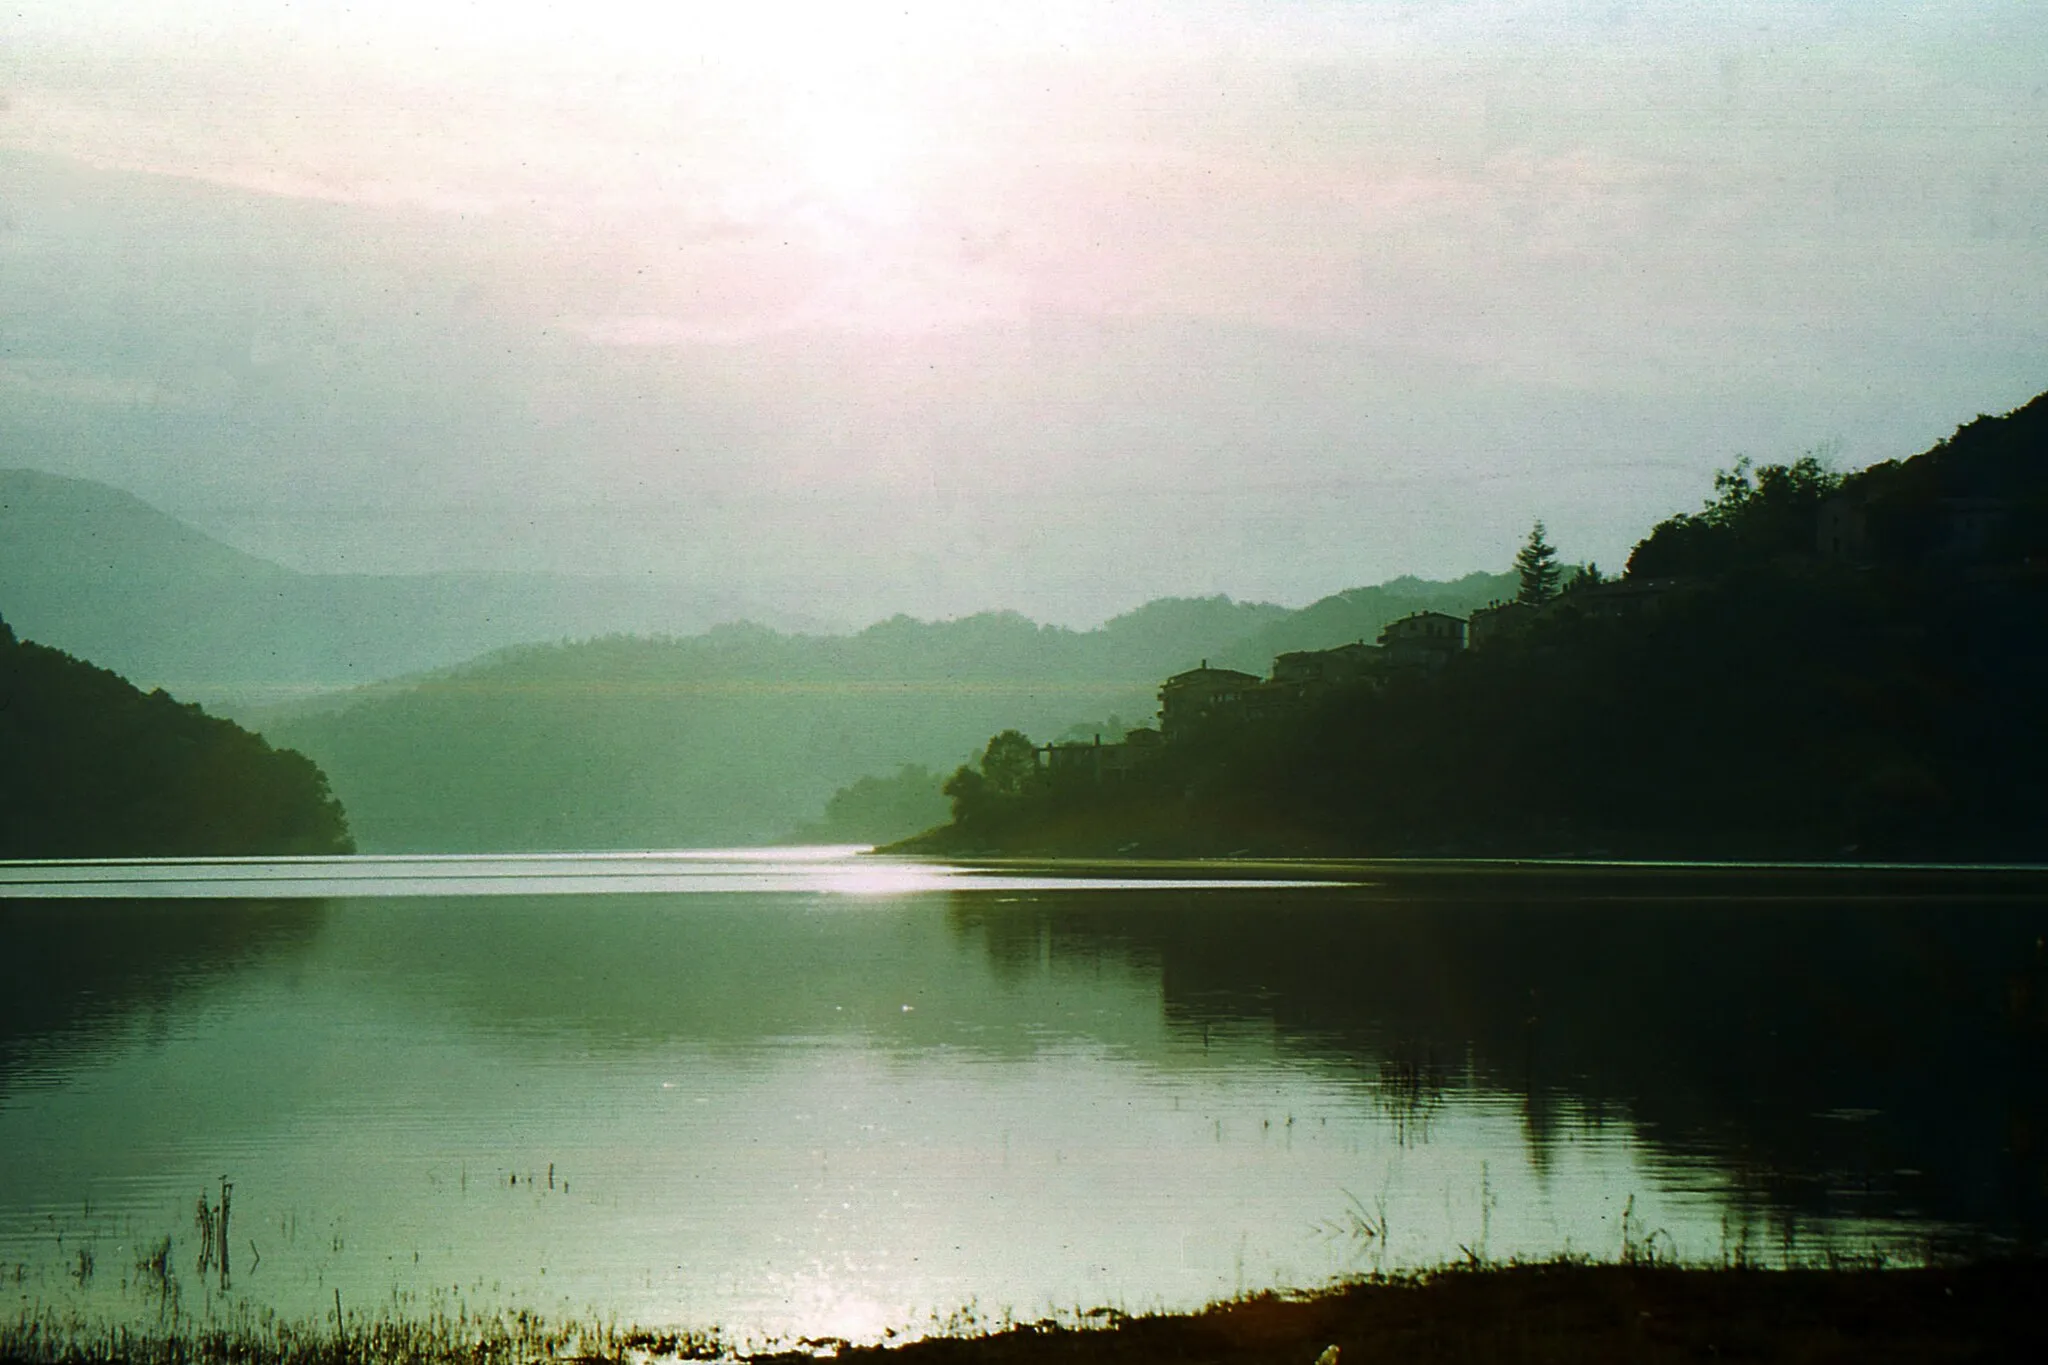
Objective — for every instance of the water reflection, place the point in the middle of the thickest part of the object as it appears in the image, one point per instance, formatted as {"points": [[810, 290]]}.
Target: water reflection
{"points": [[1826, 1055], [806, 1111], [73, 972]]}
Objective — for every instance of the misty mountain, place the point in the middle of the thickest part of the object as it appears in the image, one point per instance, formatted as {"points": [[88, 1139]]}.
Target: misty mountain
{"points": [[741, 734], [491, 739], [102, 574]]}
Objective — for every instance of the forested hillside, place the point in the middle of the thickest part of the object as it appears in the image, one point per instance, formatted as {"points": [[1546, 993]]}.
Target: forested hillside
{"points": [[1811, 666], [95, 768]]}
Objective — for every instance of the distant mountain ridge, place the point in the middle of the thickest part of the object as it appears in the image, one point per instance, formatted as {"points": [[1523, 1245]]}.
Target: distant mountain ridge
{"points": [[102, 574]]}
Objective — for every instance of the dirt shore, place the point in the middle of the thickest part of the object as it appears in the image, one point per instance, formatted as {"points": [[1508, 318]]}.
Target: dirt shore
{"points": [[1579, 1313]]}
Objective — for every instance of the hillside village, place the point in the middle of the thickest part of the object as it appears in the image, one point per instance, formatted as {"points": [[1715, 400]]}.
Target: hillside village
{"points": [[1198, 701], [1203, 702]]}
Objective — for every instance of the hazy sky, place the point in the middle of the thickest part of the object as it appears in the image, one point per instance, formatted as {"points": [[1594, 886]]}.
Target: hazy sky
{"points": [[869, 307]]}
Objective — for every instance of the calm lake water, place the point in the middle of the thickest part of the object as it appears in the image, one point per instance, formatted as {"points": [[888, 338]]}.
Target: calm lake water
{"points": [[795, 1094]]}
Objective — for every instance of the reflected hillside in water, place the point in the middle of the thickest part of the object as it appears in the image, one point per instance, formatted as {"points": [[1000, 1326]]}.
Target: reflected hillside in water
{"points": [[1877, 1053], [76, 971], [1830, 1056], [619, 975], [812, 1076]]}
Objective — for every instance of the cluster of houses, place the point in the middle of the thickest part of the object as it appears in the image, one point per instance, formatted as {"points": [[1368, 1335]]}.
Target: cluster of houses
{"points": [[1420, 644], [1204, 697], [1200, 697]]}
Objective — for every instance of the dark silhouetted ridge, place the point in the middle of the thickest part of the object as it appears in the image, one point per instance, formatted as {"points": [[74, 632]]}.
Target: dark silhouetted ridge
{"points": [[96, 768]]}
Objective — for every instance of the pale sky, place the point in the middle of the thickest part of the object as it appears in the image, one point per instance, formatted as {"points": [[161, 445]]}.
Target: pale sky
{"points": [[860, 307]]}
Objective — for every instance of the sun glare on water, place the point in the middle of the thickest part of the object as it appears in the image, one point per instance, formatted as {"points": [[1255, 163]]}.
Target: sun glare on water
{"points": [[883, 879]]}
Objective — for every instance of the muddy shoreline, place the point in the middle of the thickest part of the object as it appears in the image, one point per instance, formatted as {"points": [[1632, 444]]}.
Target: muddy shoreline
{"points": [[1561, 1311]]}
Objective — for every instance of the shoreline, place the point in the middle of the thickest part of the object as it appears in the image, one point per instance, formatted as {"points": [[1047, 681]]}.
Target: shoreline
{"points": [[1563, 1310], [1558, 1311], [1541, 879]]}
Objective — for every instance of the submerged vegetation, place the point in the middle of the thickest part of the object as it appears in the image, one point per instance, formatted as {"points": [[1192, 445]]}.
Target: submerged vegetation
{"points": [[96, 768], [1813, 666]]}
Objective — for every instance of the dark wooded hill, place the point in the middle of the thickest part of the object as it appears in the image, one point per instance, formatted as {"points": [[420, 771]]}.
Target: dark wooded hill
{"points": [[96, 768]]}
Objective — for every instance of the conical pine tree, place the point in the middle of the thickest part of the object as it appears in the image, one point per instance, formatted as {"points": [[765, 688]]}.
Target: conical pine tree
{"points": [[1536, 562]]}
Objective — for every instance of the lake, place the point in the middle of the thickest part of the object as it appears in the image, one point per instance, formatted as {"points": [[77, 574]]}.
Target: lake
{"points": [[803, 1093]]}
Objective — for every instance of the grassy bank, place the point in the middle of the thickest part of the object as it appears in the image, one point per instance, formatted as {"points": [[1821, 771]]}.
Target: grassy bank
{"points": [[1555, 1312]]}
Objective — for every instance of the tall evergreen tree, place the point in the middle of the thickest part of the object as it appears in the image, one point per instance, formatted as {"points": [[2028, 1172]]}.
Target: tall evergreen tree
{"points": [[1536, 563]]}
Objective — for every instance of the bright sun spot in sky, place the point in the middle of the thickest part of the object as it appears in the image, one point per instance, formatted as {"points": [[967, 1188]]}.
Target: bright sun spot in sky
{"points": [[857, 157]]}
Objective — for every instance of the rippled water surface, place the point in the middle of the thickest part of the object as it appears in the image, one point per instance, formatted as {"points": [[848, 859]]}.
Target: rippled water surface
{"points": [[809, 1094]]}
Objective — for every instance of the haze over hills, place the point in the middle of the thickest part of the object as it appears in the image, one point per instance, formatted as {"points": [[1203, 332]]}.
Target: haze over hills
{"points": [[465, 728], [101, 574], [741, 734]]}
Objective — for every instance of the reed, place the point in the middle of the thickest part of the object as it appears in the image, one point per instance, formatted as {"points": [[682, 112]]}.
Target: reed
{"points": [[255, 1338]]}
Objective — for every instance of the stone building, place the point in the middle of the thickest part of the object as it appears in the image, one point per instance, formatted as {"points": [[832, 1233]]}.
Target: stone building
{"points": [[1098, 762], [1424, 641], [1201, 696]]}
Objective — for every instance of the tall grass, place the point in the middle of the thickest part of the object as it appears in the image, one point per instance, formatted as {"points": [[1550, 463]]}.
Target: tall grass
{"points": [[255, 1338]]}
